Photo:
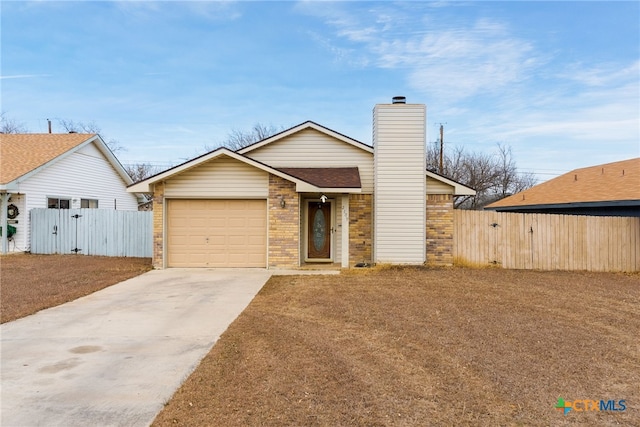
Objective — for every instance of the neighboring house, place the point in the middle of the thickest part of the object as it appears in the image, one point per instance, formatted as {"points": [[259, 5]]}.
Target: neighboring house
{"points": [[610, 189], [308, 195], [57, 171]]}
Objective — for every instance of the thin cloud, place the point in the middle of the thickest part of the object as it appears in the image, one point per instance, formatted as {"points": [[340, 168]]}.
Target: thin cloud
{"points": [[471, 58], [340, 54], [522, 93], [24, 76], [475, 64], [601, 74], [459, 64], [208, 10]]}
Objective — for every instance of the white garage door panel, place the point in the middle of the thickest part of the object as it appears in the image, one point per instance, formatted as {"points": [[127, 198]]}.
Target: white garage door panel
{"points": [[217, 233]]}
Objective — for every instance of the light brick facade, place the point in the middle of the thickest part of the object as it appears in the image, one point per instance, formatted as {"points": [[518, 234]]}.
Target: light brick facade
{"points": [[439, 229], [284, 224], [360, 223], [284, 238], [158, 221]]}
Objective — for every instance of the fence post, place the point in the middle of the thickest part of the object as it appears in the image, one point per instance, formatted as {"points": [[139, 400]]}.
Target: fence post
{"points": [[76, 217]]}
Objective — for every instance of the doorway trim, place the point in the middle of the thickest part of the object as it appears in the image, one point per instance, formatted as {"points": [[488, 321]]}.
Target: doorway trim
{"points": [[332, 232]]}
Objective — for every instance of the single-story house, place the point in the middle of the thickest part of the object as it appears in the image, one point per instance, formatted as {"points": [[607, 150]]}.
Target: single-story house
{"points": [[308, 195], [610, 189], [57, 171]]}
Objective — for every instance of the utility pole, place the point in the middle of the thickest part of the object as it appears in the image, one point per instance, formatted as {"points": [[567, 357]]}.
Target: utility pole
{"points": [[441, 146]]}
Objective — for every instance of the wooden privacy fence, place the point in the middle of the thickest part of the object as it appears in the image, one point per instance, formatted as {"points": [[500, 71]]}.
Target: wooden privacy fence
{"points": [[92, 232], [547, 242]]}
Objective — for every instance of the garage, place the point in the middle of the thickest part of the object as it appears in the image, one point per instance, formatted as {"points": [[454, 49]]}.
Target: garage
{"points": [[216, 233]]}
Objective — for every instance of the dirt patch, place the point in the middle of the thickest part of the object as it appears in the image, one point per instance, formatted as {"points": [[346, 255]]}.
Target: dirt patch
{"points": [[30, 283], [414, 346]]}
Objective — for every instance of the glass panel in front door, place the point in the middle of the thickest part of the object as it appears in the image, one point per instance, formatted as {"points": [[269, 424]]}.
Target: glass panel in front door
{"points": [[319, 230]]}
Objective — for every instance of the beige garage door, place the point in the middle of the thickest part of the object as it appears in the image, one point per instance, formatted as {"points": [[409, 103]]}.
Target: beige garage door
{"points": [[217, 233]]}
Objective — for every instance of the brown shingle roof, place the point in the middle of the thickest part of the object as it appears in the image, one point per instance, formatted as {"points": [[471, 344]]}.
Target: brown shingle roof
{"points": [[326, 177], [22, 153], [615, 181]]}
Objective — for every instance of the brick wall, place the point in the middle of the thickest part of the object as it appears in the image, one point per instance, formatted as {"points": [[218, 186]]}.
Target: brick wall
{"points": [[158, 219], [360, 243], [284, 224], [439, 229]]}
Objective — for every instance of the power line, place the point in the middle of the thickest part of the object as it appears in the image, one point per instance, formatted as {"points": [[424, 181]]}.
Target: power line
{"points": [[147, 162]]}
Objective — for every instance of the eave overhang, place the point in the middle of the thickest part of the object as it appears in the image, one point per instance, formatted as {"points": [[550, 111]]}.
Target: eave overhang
{"points": [[302, 186]]}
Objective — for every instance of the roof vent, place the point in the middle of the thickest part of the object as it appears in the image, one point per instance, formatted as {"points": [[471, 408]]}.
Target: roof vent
{"points": [[399, 100], [73, 131]]}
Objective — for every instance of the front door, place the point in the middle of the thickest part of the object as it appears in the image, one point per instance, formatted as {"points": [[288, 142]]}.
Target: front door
{"points": [[319, 230]]}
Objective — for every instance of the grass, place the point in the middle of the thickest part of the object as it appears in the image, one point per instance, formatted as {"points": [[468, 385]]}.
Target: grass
{"points": [[30, 283], [390, 346], [417, 346]]}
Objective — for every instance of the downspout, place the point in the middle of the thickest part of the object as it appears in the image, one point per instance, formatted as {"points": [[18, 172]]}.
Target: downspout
{"points": [[3, 222]]}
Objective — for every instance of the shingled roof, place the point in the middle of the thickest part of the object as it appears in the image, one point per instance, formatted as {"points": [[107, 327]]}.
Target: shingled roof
{"points": [[22, 153], [609, 182], [327, 177]]}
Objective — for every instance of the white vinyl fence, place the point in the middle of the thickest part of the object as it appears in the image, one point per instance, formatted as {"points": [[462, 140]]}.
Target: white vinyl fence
{"points": [[92, 232]]}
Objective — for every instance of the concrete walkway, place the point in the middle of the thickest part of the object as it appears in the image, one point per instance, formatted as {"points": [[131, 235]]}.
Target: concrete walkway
{"points": [[115, 357]]}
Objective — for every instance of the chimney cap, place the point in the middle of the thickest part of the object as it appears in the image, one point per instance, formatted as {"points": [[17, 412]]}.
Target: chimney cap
{"points": [[399, 100]]}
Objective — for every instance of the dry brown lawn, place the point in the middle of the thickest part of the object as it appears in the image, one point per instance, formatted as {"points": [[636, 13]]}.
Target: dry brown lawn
{"points": [[419, 347], [390, 346], [30, 283]]}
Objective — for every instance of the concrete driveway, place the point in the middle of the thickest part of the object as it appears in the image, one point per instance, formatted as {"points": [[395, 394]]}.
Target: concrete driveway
{"points": [[115, 357]]}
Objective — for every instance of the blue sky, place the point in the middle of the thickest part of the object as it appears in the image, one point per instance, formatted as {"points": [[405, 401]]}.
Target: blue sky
{"points": [[557, 81]]}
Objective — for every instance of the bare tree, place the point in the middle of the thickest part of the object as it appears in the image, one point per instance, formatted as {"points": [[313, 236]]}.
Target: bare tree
{"points": [[481, 174], [79, 127], [9, 125], [237, 139], [493, 175], [509, 180], [140, 171], [90, 127], [525, 180]]}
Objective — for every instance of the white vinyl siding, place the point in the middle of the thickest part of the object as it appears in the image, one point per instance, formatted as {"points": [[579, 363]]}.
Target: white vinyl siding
{"points": [[221, 177], [310, 148], [84, 174], [400, 184], [438, 187]]}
